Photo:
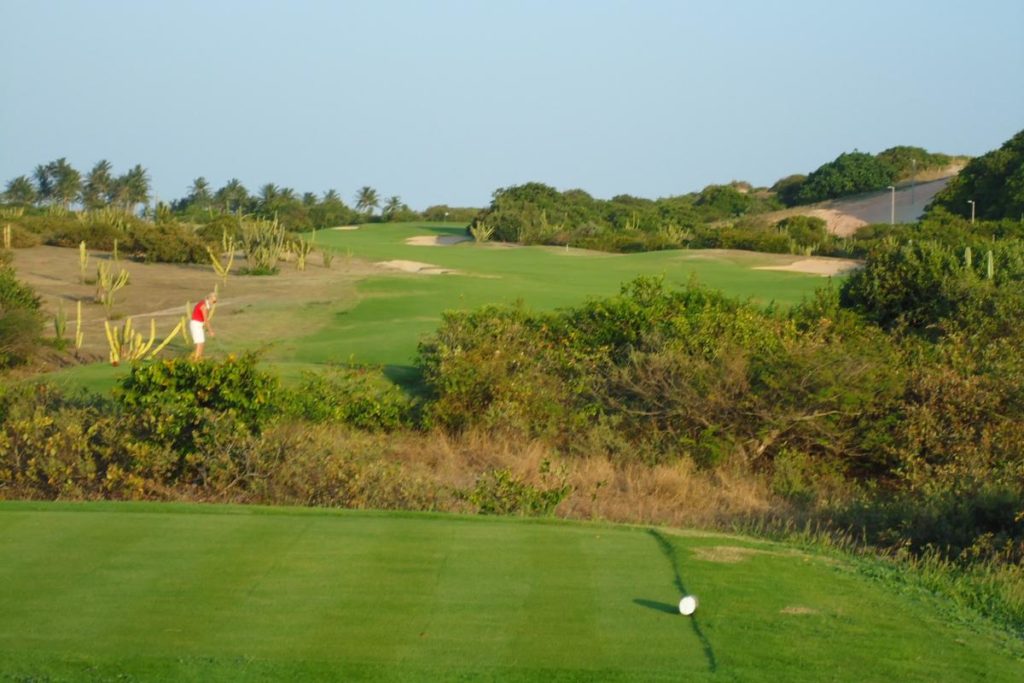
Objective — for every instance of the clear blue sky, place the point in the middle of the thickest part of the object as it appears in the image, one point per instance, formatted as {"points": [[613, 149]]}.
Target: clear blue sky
{"points": [[444, 101]]}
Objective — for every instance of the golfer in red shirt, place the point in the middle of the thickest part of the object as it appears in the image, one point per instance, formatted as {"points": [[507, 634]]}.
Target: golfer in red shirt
{"points": [[200, 323]]}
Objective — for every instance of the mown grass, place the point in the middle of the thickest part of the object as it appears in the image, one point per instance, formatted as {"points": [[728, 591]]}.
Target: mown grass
{"points": [[165, 592]]}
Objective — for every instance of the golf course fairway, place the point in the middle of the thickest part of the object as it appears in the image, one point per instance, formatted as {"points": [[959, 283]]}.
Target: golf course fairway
{"points": [[122, 591]]}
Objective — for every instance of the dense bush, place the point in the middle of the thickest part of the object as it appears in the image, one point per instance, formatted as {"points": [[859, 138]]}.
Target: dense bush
{"points": [[906, 160], [535, 213], [168, 242], [360, 397], [924, 284], [20, 321], [994, 181], [849, 173], [824, 404], [179, 403]]}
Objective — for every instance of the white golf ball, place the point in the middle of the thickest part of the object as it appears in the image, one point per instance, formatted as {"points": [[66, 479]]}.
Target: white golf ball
{"points": [[688, 605]]}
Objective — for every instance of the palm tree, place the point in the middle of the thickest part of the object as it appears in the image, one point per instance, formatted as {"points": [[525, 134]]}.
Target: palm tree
{"points": [[367, 200], [233, 195], [392, 207], [20, 191], [199, 194], [269, 195], [44, 183], [135, 187], [98, 184], [67, 182], [331, 197]]}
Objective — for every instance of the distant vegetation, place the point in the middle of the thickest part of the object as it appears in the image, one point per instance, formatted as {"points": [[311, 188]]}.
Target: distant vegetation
{"points": [[994, 181], [56, 187]]}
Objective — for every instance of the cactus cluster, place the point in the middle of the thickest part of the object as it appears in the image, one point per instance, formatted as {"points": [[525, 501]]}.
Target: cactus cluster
{"points": [[302, 249], [126, 344], [107, 284], [263, 243], [228, 247]]}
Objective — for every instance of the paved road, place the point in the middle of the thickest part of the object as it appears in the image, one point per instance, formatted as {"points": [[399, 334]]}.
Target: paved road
{"points": [[877, 207]]}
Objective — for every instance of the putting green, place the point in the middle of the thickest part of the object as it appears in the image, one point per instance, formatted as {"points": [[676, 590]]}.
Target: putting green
{"points": [[169, 592]]}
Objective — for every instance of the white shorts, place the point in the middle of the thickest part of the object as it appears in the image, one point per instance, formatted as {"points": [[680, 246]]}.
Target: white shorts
{"points": [[195, 328]]}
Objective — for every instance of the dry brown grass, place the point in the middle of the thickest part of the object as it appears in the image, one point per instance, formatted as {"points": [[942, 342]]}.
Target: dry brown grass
{"points": [[678, 494]]}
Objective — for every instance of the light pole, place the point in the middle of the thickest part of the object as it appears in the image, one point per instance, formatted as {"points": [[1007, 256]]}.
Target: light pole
{"points": [[913, 182], [892, 206], [971, 202]]}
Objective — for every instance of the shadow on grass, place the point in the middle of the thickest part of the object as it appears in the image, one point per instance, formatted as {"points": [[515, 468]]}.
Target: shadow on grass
{"points": [[670, 553], [408, 377], [657, 606]]}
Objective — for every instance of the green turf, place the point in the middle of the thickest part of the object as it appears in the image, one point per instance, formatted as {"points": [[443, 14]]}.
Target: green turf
{"points": [[164, 592], [395, 311]]}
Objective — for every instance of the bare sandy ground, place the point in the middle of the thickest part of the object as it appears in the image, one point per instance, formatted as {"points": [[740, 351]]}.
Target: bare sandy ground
{"points": [[436, 240], [417, 267], [826, 267], [162, 290]]}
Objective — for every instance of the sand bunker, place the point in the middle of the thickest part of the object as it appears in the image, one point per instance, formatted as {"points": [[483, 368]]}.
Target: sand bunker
{"points": [[817, 266], [436, 240], [345, 227], [416, 267]]}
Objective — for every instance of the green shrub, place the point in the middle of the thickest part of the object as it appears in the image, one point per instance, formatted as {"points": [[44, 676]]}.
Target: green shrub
{"points": [[21, 237], [21, 323], [167, 242], [177, 402], [359, 397], [500, 492], [850, 173], [96, 235]]}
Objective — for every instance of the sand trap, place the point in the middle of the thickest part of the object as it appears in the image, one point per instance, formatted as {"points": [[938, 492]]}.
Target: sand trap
{"points": [[416, 267], [817, 266], [345, 227], [436, 240]]}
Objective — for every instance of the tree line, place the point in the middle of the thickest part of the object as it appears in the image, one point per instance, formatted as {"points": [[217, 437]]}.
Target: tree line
{"points": [[59, 184]]}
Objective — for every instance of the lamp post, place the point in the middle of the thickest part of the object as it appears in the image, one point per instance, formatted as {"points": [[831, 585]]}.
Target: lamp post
{"points": [[892, 206], [913, 182], [971, 202]]}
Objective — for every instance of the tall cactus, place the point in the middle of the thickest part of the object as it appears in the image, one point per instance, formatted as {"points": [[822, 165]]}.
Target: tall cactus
{"points": [[79, 337], [83, 260], [302, 249], [107, 284], [127, 344]]}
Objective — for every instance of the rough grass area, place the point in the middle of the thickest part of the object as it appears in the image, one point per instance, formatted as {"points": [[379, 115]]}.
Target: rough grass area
{"points": [[164, 592]]}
